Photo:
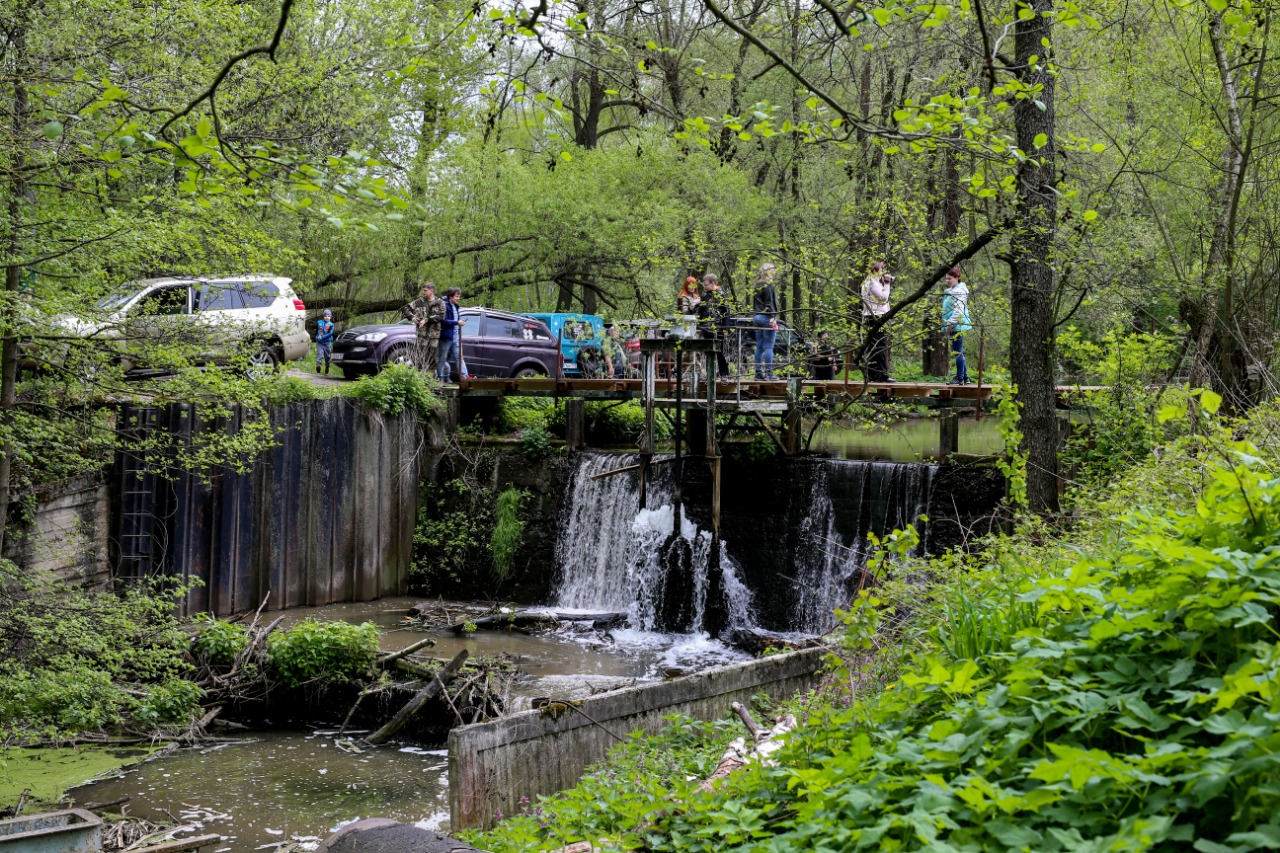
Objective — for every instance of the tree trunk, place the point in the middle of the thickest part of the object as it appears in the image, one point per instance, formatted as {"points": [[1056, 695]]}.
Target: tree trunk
{"points": [[1219, 361], [1032, 274], [13, 271]]}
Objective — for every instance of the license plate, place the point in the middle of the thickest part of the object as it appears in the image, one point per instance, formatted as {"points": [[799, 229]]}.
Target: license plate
{"points": [[337, 356]]}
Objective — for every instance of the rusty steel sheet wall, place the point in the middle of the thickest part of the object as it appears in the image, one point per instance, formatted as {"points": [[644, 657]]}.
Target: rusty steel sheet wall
{"points": [[533, 753], [326, 515]]}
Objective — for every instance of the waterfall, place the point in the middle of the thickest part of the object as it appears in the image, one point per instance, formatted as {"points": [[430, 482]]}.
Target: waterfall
{"points": [[845, 502], [655, 564], [793, 546]]}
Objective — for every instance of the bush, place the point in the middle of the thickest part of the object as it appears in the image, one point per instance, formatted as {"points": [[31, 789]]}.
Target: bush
{"points": [[535, 443], [323, 652], [75, 660], [451, 540], [281, 389], [219, 643], [399, 387], [517, 413], [507, 529]]}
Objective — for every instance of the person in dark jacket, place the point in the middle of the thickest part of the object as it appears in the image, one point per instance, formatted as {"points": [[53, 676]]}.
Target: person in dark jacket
{"points": [[713, 316], [450, 348], [764, 320], [825, 357]]}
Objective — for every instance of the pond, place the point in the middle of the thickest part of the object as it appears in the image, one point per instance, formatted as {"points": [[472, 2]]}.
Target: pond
{"points": [[909, 440], [292, 789]]}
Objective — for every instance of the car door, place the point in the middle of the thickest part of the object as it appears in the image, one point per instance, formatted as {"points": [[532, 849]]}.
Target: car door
{"points": [[502, 338], [160, 320], [219, 308]]}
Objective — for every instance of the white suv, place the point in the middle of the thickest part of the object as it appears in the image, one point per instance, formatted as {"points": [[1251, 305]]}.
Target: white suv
{"points": [[257, 314]]}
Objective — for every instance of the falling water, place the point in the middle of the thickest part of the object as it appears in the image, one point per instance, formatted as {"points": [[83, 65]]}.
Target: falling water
{"points": [[846, 501], [615, 556], [655, 563]]}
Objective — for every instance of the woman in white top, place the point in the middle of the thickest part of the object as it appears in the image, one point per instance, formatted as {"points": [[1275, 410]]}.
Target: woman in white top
{"points": [[876, 291]]}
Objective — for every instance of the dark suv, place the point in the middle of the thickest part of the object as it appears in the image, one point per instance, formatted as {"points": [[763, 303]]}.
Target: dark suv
{"points": [[494, 343]]}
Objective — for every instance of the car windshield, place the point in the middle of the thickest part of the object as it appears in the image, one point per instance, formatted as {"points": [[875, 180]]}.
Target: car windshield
{"points": [[113, 301]]}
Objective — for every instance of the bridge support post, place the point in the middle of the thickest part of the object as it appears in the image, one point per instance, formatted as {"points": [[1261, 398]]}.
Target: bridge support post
{"points": [[575, 424], [948, 435]]}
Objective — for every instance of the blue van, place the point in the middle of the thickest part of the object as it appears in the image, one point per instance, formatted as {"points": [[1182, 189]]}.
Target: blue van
{"points": [[581, 341]]}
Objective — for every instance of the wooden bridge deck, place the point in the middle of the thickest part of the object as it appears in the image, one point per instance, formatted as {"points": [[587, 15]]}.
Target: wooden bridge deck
{"points": [[736, 391]]}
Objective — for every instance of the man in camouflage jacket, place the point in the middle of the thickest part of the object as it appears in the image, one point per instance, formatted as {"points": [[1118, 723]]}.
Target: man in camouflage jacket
{"points": [[427, 313]]}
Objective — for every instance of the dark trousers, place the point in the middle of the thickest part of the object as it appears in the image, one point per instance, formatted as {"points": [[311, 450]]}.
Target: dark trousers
{"points": [[877, 356]]}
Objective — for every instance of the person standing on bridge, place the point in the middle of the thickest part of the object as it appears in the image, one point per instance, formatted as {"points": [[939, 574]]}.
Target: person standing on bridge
{"points": [[764, 319], [688, 298], [426, 313], [876, 291], [713, 318], [450, 352], [955, 322]]}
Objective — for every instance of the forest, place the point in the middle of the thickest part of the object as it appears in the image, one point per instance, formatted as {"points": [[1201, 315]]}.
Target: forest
{"points": [[1102, 675], [1102, 173]]}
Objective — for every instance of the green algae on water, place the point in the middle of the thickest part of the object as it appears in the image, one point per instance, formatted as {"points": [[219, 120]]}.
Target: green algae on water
{"points": [[50, 772]]}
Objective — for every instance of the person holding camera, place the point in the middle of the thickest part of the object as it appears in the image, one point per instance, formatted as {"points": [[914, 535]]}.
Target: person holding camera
{"points": [[877, 289]]}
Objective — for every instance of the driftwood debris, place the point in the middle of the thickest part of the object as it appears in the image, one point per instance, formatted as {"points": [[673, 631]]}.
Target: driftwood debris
{"points": [[402, 716], [738, 754], [539, 619]]}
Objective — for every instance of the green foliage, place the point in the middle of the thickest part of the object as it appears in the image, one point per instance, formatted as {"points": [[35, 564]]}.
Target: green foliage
{"points": [[78, 660], [281, 389], [452, 539], [1013, 464], [1115, 691], [518, 413], [219, 643], [615, 799], [320, 652], [508, 527], [398, 388], [172, 703], [535, 443]]}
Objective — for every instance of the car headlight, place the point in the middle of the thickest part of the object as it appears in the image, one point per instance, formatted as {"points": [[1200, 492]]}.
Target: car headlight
{"points": [[371, 337]]}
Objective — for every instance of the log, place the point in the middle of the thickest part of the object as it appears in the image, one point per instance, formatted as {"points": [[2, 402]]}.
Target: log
{"points": [[415, 704], [739, 753], [392, 657], [533, 618]]}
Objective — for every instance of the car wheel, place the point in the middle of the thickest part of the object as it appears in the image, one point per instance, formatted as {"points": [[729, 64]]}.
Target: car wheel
{"points": [[263, 363], [354, 372], [401, 354], [528, 373]]}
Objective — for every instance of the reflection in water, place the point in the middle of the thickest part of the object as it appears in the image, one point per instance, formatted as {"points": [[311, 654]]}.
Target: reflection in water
{"points": [[907, 441], [280, 786]]}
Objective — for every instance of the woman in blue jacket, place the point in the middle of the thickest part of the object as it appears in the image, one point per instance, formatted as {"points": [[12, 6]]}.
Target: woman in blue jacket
{"points": [[955, 322]]}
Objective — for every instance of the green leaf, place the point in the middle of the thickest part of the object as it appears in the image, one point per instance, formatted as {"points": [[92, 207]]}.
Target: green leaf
{"points": [[1041, 140], [1089, 215], [52, 130], [1210, 402]]}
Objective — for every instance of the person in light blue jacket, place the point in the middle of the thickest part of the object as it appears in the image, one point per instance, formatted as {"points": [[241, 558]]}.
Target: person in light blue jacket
{"points": [[955, 322]]}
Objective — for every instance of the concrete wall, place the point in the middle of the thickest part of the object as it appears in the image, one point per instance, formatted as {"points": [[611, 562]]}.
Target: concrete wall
{"points": [[493, 765], [68, 531]]}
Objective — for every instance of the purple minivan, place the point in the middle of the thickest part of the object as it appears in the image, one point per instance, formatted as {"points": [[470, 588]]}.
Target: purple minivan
{"points": [[494, 343]]}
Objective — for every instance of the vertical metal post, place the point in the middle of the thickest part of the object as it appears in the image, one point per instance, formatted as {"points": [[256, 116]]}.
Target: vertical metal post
{"points": [[982, 345], [679, 463], [648, 392]]}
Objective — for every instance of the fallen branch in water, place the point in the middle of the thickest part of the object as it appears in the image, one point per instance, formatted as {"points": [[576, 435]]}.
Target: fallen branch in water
{"points": [[402, 716]]}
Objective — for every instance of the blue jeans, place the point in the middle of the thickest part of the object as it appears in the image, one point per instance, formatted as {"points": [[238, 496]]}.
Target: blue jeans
{"points": [[448, 359], [957, 347], [765, 336]]}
